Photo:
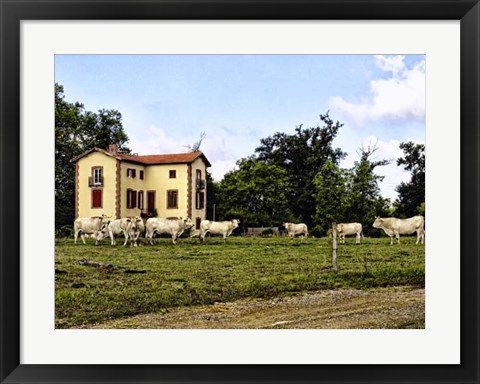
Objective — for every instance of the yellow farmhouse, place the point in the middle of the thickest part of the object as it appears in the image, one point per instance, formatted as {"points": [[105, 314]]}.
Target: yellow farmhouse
{"points": [[120, 185]]}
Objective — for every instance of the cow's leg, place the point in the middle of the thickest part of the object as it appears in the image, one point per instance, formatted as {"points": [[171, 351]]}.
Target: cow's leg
{"points": [[76, 236], [82, 235], [357, 238], [419, 236], [173, 239], [398, 237], [148, 237], [391, 239], [125, 233]]}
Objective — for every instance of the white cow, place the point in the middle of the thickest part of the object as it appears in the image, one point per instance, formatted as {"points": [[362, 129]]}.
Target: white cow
{"points": [[138, 228], [224, 228], [123, 226], [174, 227], [396, 227], [96, 225], [296, 229], [346, 229]]}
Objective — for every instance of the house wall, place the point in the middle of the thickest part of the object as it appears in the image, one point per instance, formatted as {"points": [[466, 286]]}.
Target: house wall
{"points": [[84, 192], [134, 183], [158, 179]]}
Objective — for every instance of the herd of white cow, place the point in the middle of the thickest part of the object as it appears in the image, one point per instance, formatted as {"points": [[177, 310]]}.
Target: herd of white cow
{"points": [[133, 227]]}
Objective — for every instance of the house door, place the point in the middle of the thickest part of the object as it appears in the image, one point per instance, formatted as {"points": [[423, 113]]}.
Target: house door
{"points": [[150, 201]]}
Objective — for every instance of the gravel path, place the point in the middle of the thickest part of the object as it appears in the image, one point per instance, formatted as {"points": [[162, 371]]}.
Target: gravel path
{"points": [[393, 307]]}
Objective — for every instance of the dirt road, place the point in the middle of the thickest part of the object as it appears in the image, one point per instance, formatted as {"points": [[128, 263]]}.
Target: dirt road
{"points": [[393, 307]]}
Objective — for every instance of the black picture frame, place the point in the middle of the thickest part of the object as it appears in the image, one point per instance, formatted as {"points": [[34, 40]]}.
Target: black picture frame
{"points": [[11, 14]]}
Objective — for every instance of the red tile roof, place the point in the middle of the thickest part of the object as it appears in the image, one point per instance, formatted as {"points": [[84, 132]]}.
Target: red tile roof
{"points": [[173, 158]]}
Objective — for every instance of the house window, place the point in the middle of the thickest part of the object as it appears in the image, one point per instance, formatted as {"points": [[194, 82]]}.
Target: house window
{"points": [[96, 198], [140, 199], [97, 176], [173, 174], [141, 175], [131, 172], [198, 220], [200, 200], [131, 198], [199, 182], [172, 199]]}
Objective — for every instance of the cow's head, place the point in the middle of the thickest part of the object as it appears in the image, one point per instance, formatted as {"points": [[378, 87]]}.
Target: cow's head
{"points": [[188, 223], [235, 222], [339, 228], [106, 220], [285, 224], [378, 222], [101, 235], [137, 220]]}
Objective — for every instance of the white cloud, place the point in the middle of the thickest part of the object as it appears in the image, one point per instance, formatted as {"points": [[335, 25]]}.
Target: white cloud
{"points": [[221, 152], [155, 140], [392, 64], [401, 96], [222, 146]]}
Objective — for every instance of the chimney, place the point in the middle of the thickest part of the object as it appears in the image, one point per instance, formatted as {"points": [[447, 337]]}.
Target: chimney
{"points": [[113, 149]]}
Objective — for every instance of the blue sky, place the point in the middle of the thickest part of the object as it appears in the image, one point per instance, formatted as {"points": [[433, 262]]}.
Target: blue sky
{"points": [[167, 101]]}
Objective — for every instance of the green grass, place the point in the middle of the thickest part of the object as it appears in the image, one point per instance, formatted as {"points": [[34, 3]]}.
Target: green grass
{"points": [[154, 278]]}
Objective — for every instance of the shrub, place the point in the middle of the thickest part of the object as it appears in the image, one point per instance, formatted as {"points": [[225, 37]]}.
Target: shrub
{"points": [[64, 231], [317, 231], [267, 232]]}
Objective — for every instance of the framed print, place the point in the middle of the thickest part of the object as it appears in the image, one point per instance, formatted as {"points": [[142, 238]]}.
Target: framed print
{"points": [[57, 323]]}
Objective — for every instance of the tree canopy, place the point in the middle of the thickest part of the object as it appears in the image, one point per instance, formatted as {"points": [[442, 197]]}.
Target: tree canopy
{"points": [[301, 156], [297, 177], [330, 196], [411, 195], [364, 201], [77, 131], [256, 193]]}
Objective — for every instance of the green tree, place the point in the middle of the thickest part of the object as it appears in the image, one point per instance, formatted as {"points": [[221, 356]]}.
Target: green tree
{"points": [[331, 195], [364, 201], [411, 195], [77, 131], [301, 155], [255, 192]]}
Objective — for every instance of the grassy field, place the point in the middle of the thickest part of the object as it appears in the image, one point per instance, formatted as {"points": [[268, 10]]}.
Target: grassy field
{"points": [[131, 281]]}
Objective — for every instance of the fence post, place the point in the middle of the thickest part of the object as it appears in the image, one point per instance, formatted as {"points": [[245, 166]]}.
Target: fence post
{"points": [[334, 247]]}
